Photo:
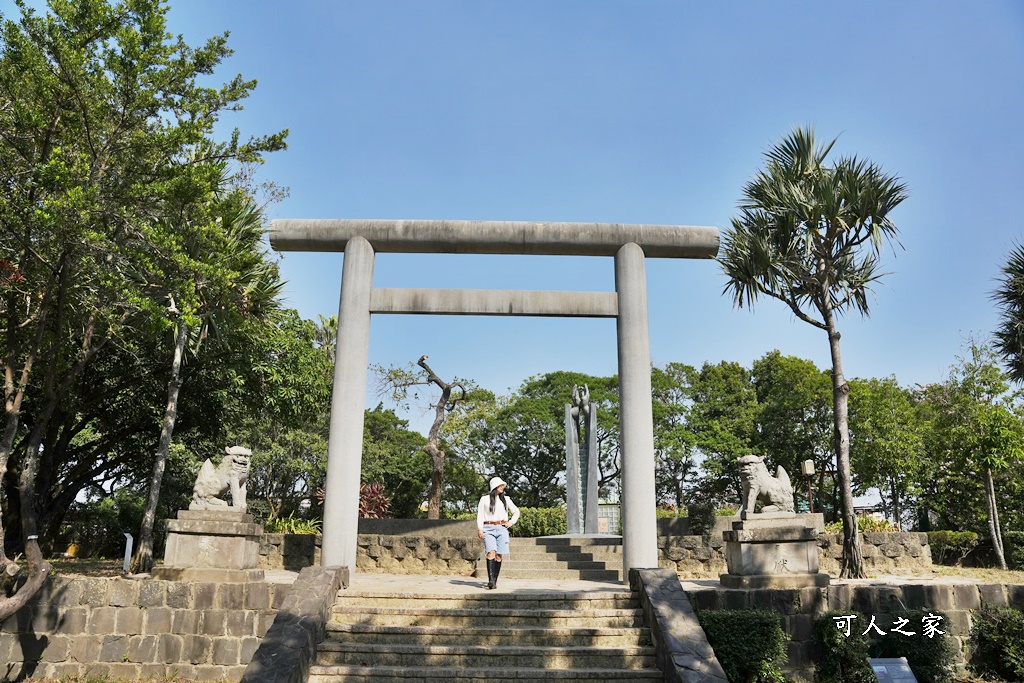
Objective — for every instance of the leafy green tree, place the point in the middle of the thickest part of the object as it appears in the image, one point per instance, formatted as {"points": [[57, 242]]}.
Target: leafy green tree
{"points": [[723, 420], [794, 422], [978, 431], [101, 113], [393, 455], [887, 448], [809, 234], [674, 449], [281, 413], [522, 438]]}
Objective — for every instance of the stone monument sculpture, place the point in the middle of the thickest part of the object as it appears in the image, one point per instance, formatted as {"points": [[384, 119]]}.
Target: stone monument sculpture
{"points": [[214, 541], [228, 477], [773, 548], [776, 492], [581, 463]]}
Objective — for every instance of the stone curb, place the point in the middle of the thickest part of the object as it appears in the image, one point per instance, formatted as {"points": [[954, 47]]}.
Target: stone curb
{"points": [[289, 648], [684, 654]]}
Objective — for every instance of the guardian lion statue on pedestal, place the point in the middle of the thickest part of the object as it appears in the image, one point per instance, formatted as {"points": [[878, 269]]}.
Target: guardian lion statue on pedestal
{"points": [[776, 493], [230, 475]]}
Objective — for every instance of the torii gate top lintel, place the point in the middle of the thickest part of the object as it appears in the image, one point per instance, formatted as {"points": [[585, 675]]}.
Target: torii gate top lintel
{"points": [[494, 237]]}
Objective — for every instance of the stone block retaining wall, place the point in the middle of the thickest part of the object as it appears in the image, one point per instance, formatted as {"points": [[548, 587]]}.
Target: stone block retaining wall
{"points": [[148, 629], [691, 556], [378, 554], [884, 552], [800, 608]]}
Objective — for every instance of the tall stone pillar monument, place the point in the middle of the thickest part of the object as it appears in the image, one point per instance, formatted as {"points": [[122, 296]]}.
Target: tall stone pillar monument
{"points": [[581, 468]]}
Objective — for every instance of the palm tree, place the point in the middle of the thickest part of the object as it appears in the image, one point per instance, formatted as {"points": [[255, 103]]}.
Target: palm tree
{"points": [[1009, 343], [1009, 299], [809, 234]]}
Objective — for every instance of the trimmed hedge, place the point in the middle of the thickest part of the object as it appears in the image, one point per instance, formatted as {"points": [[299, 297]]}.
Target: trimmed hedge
{"points": [[750, 644], [931, 659], [840, 658], [535, 522], [844, 659], [997, 644], [952, 546]]}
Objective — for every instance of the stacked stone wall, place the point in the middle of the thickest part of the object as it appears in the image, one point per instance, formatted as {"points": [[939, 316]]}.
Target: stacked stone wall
{"points": [[800, 608], [377, 554], [698, 557], [130, 629], [701, 557]]}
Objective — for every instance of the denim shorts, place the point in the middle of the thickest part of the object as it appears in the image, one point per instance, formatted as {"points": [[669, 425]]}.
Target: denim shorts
{"points": [[496, 538]]}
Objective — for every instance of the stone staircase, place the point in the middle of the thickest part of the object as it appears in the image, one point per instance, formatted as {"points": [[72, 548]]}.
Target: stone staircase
{"points": [[586, 558], [486, 636]]}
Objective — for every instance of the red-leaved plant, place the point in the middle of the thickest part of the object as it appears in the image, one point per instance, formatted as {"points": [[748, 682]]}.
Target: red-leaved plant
{"points": [[374, 502]]}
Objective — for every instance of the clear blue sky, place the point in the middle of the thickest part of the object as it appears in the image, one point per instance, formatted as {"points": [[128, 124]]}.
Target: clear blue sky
{"points": [[636, 112]]}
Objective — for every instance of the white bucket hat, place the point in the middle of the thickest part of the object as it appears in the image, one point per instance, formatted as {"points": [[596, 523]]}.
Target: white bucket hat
{"points": [[496, 482]]}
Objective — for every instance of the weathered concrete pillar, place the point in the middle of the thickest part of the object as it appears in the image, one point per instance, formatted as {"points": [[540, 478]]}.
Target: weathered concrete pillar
{"points": [[345, 444], [636, 439]]}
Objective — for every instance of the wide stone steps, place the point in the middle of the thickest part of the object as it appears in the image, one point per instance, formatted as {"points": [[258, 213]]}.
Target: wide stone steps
{"points": [[440, 635], [595, 635], [382, 674], [417, 616], [494, 600], [561, 558], [502, 657]]}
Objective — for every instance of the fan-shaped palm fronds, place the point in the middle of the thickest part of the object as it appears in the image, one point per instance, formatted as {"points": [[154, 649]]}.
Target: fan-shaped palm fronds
{"points": [[1009, 299]]}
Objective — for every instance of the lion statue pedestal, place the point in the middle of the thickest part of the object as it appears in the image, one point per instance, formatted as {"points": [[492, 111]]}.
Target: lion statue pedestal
{"points": [[214, 541], [774, 548]]}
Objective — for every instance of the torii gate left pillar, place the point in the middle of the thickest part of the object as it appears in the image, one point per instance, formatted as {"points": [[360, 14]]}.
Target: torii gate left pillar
{"points": [[360, 239]]}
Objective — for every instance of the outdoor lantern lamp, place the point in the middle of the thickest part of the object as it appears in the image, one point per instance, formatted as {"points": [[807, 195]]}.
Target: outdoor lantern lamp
{"points": [[807, 468]]}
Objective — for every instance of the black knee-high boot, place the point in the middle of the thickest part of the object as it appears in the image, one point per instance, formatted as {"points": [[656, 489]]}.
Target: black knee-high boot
{"points": [[497, 570], [492, 573]]}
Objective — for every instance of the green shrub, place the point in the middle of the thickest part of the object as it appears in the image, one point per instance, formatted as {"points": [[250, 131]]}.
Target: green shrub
{"points": [[727, 511], [997, 644], [863, 524], [750, 644], [931, 659], [951, 547], [540, 522], [1013, 546], [669, 512], [292, 525], [840, 658]]}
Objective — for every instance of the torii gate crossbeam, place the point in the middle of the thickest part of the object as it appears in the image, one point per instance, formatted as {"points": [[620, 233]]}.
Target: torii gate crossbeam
{"points": [[628, 244]]}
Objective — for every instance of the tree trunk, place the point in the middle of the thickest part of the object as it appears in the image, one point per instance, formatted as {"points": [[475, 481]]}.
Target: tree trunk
{"points": [[436, 481], [897, 508], [853, 559], [143, 560], [993, 519]]}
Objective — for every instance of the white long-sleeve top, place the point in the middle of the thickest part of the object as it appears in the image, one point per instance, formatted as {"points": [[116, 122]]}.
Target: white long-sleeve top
{"points": [[484, 514]]}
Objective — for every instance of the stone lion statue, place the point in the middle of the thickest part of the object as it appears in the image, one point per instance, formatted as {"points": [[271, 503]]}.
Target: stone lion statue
{"points": [[230, 475], [776, 493]]}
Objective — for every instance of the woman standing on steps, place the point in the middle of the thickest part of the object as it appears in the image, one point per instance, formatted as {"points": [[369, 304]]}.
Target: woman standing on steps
{"points": [[492, 525]]}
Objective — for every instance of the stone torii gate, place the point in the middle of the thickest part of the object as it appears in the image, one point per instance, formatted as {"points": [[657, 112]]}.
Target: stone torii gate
{"points": [[361, 239]]}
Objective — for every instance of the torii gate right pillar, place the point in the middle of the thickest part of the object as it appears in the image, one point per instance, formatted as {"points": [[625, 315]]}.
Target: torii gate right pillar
{"points": [[636, 435]]}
